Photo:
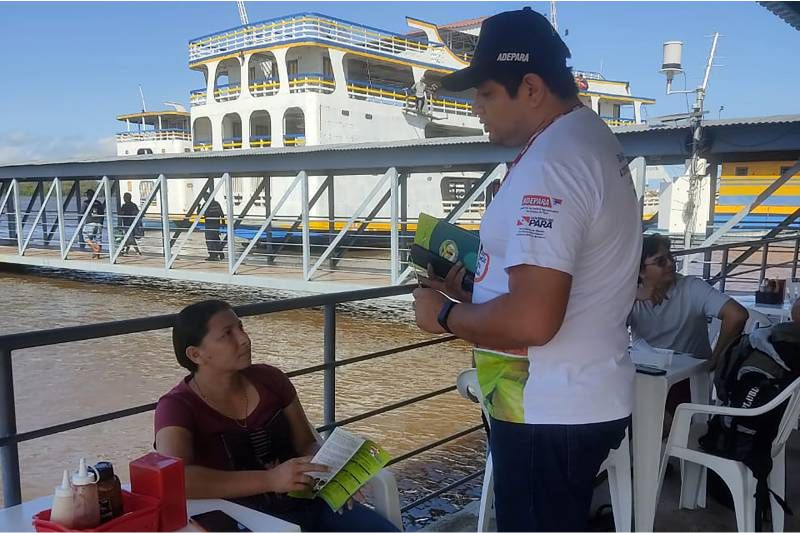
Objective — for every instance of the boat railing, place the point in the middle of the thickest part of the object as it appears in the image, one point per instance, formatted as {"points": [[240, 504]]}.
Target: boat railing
{"points": [[230, 91], [231, 143], [265, 86], [329, 306], [202, 146], [294, 139], [198, 97], [260, 141], [307, 26], [375, 92], [589, 75], [402, 96], [451, 105], [618, 121], [166, 134], [311, 82]]}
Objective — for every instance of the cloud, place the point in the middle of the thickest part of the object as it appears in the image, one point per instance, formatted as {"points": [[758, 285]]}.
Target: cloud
{"points": [[20, 147]]}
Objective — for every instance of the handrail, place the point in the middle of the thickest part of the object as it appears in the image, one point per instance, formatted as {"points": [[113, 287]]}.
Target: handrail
{"points": [[307, 26], [48, 337], [729, 245], [10, 439]]}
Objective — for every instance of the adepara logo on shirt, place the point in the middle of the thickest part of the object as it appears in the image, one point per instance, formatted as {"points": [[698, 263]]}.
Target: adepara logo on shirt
{"points": [[536, 200], [535, 222]]}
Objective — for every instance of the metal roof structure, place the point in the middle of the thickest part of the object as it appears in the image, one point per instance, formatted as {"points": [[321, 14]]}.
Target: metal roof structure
{"points": [[788, 11], [744, 139]]}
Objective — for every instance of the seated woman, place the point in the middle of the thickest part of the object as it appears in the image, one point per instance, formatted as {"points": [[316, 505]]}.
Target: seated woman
{"points": [[672, 311], [240, 428]]}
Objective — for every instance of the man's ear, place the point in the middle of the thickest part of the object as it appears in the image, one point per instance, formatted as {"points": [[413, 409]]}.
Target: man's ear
{"points": [[533, 88]]}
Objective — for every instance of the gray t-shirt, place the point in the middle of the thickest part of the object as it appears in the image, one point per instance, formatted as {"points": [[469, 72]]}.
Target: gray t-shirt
{"points": [[680, 322]]}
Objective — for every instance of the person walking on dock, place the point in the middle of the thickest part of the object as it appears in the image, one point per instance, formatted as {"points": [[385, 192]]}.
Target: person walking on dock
{"points": [[555, 279], [213, 223], [92, 230], [128, 212]]}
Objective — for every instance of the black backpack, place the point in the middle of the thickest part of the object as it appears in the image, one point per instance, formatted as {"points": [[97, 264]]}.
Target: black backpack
{"points": [[754, 370]]}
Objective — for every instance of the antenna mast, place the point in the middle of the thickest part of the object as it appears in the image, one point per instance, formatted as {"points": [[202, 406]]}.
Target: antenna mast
{"points": [[266, 68], [553, 15], [141, 95]]}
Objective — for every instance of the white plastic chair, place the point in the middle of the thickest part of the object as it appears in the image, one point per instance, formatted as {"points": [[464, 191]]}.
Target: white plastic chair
{"points": [[682, 443], [618, 465], [713, 330], [382, 490], [755, 319]]}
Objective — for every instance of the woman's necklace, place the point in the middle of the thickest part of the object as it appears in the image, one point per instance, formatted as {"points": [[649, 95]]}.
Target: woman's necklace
{"points": [[243, 422]]}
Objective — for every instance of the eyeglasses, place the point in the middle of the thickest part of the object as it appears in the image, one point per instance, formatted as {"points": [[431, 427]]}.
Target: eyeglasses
{"points": [[662, 261]]}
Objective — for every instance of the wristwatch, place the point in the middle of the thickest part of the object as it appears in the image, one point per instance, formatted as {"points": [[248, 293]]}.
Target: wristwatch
{"points": [[444, 313]]}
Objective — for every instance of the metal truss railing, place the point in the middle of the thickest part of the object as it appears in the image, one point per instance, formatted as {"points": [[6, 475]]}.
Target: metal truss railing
{"points": [[10, 438], [275, 222], [734, 272], [155, 135], [305, 26]]}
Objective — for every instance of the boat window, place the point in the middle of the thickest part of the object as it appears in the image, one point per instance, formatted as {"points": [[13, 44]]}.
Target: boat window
{"points": [[740, 171], [144, 151], [455, 188], [368, 116], [327, 68], [293, 67], [345, 113], [145, 188]]}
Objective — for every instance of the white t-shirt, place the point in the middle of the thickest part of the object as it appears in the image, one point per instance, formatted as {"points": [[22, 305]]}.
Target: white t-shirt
{"points": [[569, 204]]}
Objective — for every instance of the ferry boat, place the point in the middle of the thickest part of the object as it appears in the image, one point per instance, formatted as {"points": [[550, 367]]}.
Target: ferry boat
{"points": [[311, 79], [741, 183]]}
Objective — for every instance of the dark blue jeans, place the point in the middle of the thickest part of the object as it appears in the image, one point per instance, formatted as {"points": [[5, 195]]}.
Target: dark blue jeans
{"points": [[315, 515], [544, 474]]}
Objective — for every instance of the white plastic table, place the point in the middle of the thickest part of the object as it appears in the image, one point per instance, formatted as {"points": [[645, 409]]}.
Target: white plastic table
{"points": [[648, 419], [20, 517]]}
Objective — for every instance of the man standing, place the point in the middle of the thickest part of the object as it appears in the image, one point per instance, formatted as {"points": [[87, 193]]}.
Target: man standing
{"points": [[127, 214], [555, 281], [212, 225], [93, 227]]}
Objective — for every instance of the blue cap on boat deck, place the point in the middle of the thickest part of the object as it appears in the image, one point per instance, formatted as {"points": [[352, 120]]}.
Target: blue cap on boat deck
{"points": [[520, 41]]}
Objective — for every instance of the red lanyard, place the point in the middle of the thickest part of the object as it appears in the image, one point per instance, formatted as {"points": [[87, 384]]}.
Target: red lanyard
{"points": [[535, 135]]}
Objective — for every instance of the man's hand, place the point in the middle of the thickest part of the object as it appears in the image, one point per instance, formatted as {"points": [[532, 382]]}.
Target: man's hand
{"points": [[452, 285], [358, 497], [293, 475], [427, 304]]}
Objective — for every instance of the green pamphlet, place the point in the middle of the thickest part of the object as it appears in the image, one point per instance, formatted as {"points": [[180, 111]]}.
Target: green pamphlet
{"points": [[352, 461], [441, 244]]}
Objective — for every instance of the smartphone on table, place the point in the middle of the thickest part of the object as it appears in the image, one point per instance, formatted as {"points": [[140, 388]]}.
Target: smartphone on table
{"points": [[218, 521]]}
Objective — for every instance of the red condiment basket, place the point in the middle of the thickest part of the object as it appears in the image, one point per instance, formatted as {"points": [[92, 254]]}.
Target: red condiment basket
{"points": [[140, 513]]}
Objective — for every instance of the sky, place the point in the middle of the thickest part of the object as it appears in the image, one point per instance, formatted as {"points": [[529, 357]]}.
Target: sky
{"points": [[69, 68]]}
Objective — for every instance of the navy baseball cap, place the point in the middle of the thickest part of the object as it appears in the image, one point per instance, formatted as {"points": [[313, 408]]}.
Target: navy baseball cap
{"points": [[520, 41]]}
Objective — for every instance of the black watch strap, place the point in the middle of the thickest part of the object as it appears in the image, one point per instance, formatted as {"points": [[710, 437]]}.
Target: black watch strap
{"points": [[444, 313]]}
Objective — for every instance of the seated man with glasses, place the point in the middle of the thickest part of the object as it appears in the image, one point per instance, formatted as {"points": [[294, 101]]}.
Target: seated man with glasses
{"points": [[673, 311]]}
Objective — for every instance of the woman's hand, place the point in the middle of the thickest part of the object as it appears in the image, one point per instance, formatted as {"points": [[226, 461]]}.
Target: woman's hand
{"points": [[293, 475], [451, 285]]}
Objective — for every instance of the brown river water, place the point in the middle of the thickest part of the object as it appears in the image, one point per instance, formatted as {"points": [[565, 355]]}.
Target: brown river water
{"points": [[59, 383]]}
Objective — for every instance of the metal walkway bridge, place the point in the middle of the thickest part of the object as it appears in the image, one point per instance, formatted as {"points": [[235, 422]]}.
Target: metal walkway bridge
{"points": [[299, 228]]}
